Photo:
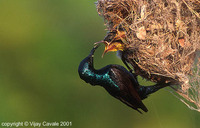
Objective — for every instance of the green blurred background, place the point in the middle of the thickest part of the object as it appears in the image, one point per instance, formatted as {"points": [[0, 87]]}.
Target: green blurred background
{"points": [[41, 45]]}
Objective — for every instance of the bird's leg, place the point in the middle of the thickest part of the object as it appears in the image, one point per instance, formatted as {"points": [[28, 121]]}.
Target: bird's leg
{"points": [[124, 61], [144, 91], [130, 70]]}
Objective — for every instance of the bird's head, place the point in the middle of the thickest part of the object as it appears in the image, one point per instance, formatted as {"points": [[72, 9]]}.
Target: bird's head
{"points": [[86, 68]]}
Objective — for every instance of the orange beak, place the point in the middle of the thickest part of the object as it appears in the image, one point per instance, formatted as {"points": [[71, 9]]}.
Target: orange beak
{"points": [[108, 48], [111, 46]]}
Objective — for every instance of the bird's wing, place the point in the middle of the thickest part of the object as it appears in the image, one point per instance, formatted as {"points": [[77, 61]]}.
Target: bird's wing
{"points": [[128, 93]]}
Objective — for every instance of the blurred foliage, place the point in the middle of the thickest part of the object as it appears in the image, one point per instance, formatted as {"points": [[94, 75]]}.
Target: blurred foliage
{"points": [[41, 45]]}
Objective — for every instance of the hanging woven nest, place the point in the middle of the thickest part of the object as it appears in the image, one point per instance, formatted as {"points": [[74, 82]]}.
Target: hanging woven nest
{"points": [[163, 37]]}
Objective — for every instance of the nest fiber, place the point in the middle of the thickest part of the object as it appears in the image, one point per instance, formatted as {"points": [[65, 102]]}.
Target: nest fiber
{"points": [[164, 36]]}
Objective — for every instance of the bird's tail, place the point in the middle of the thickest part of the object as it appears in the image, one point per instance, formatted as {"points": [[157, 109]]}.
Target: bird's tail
{"points": [[144, 91]]}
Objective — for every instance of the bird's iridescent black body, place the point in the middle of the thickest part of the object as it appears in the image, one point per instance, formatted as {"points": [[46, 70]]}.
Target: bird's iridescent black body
{"points": [[119, 82]]}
